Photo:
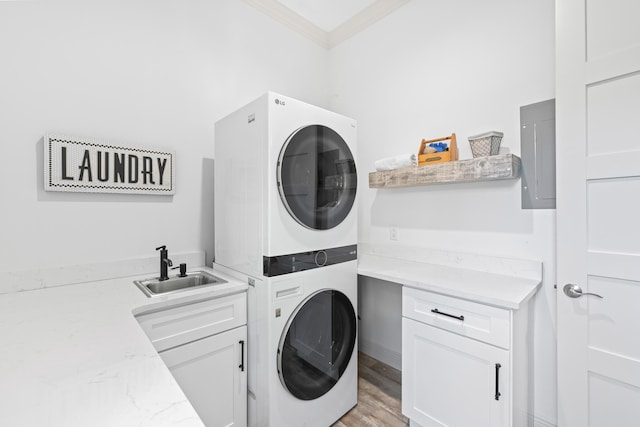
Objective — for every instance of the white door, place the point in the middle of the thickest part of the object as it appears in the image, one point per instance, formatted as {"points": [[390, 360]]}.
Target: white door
{"points": [[598, 211], [212, 374], [453, 381]]}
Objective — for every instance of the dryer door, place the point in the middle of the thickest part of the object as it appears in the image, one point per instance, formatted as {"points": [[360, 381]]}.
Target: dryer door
{"points": [[316, 344], [317, 177]]}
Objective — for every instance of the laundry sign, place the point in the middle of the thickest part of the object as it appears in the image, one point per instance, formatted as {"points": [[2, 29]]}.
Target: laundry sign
{"points": [[82, 165]]}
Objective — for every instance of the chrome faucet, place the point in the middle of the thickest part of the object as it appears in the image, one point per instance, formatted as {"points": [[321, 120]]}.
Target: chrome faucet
{"points": [[165, 262]]}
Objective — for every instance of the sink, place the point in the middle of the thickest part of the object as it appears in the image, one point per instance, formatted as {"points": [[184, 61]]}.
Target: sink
{"points": [[195, 279]]}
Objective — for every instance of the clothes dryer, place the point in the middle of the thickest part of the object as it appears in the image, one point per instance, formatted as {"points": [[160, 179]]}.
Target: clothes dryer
{"points": [[285, 187]]}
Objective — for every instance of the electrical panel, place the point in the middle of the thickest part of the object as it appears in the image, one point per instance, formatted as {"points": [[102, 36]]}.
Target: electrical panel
{"points": [[538, 154]]}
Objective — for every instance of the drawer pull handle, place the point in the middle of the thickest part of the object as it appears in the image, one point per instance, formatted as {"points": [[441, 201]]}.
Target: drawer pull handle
{"points": [[436, 311], [498, 366], [241, 356]]}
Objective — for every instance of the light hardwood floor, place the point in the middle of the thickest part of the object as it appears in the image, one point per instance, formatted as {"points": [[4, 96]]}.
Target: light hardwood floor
{"points": [[379, 387]]}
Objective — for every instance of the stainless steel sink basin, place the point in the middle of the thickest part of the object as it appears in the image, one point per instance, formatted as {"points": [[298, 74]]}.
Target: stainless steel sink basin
{"points": [[195, 279]]}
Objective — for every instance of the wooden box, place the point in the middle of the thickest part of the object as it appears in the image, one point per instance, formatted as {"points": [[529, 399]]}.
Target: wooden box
{"points": [[443, 156]]}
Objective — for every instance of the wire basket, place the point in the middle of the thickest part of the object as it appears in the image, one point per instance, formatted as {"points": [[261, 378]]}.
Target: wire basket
{"points": [[485, 144]]}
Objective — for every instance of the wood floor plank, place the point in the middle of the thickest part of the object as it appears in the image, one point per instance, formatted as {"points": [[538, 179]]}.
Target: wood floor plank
{"points": [[379, 404], [366, 360], [387, 371], [389, 387], [379, 401]]}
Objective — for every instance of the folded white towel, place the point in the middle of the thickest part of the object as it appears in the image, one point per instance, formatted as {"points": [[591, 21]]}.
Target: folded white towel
{"points": [[395, 162]]}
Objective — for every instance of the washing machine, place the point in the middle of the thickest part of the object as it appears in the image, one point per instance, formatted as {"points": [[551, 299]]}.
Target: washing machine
{"points": [[285, 221], [285, 187], [302, 364]]}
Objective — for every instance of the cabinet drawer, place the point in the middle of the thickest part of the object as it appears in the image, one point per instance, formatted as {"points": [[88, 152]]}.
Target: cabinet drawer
{"points": [[186, 323], [470, 319]]}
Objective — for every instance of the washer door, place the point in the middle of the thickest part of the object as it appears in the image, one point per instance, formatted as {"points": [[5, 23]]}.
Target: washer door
{"points": [[317, 177], [316, 344]]}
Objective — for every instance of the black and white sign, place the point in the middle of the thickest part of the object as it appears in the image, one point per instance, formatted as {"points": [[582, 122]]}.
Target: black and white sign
{"points": [[81, 165]]}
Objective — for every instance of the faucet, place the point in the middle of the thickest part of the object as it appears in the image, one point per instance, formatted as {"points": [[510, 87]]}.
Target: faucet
{"points": [[165, 262]]}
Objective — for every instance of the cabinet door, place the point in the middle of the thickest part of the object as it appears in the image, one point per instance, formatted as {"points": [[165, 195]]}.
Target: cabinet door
{"points": [[449, 380], [210, 372]]}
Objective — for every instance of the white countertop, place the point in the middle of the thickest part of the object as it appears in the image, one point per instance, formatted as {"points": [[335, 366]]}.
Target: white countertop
{"points": [[509, 286], [76, 356]]}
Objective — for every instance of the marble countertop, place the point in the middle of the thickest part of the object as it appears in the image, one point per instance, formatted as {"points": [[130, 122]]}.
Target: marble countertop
{"points": [[495, 281], [76, 356]]}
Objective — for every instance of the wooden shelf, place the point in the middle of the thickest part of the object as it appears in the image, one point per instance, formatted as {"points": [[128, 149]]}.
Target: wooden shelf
{"points": [[490, 168]]}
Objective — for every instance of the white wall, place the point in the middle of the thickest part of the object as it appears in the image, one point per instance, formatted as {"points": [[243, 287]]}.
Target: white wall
{"points": [[161, 73], [427, 70], [150, 73]]}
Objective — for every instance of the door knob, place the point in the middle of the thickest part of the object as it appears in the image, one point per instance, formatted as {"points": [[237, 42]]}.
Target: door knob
{"points": [[575, 291]]}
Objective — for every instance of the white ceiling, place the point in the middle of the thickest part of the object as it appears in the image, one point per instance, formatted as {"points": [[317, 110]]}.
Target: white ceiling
{"points": [[327, 22]]}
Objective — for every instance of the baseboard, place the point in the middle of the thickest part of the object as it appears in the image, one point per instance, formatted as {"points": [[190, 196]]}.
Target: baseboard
{"points": [[19, 281], [392, 358]]}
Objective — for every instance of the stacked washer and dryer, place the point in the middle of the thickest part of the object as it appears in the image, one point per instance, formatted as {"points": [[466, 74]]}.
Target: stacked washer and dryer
{"points": [[285, 221]]}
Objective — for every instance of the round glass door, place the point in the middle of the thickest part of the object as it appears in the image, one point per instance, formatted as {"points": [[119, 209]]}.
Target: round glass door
{"points": [[316, 345], [317, 177]]}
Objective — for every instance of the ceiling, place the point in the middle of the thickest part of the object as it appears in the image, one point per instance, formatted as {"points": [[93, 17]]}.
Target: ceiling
{"points": [[327, 22]]}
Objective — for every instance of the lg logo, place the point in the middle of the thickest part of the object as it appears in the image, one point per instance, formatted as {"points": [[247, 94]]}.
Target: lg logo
{"points": [[278, 102]]}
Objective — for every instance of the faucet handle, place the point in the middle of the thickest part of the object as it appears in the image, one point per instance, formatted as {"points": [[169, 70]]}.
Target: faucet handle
{"points": [[161, 248]]}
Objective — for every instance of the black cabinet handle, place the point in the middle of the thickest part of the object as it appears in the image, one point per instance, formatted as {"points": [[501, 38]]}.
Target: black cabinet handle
{"points": [[241, 355], [436, 311], [498, 366]]}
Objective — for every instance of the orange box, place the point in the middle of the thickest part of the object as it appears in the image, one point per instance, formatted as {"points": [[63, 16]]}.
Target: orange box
{"points": [[443, 156]]}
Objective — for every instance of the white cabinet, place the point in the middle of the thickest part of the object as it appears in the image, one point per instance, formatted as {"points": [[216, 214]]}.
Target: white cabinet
{"points": [[449, 380], [204, 346], [212, 374], [463, 363]]}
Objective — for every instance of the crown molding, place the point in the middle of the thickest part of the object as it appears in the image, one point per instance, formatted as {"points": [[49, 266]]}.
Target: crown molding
{"points": [[289, 18], [327, 40], [363, 20]]}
